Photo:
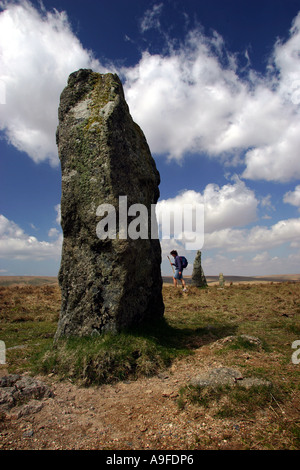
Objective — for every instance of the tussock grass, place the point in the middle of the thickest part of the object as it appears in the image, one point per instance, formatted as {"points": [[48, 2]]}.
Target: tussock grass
{"points": [[26, 303], [29, 314], [227, 401], [201, 318], [105, 359]]}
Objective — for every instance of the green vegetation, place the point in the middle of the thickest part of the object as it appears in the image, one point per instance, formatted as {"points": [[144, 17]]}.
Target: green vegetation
{"points": [[228, 401], [29, 314], [105, 359], [201, 320]]}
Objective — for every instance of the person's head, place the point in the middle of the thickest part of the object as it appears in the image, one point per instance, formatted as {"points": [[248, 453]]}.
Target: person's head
{"points": [[174, 253]]}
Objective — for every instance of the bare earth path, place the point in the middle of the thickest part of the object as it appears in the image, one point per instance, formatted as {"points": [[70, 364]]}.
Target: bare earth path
{"points": [[145, 414], [137, 415], [141, 414]]}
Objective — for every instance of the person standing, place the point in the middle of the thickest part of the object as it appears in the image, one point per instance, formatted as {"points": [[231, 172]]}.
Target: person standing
{"points": [[178, 270]]}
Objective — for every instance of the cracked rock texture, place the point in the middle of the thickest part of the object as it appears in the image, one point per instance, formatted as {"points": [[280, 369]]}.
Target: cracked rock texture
{"points": [[107, 284], [227, 376], [21, 394]]}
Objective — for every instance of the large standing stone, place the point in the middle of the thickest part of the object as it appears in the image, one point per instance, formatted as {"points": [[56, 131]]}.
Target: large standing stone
{"points": [[198, 277], [106, 284]]}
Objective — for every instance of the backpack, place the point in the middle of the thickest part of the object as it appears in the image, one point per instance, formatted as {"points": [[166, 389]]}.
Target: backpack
{"points": [[184, 261]]}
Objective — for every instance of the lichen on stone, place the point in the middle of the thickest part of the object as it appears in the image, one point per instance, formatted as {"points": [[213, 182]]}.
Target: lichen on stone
{"points": [[106, 284]]}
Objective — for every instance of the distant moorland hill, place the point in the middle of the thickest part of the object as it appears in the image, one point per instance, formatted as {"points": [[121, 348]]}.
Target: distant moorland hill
{"points": [[211, 280]]}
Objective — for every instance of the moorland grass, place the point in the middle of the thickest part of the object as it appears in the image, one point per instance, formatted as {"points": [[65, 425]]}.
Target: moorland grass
{"points": [[29, 315]]}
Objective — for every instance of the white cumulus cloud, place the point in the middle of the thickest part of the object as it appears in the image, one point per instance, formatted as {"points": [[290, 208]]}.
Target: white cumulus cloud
{"points": [[38, 51], [16, 244], [260, 264], [293, 197], [256, 239], [232, 205], [192, 99]]}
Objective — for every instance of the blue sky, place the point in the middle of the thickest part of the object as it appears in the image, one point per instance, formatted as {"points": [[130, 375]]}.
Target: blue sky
{"points": [[215, 86]]}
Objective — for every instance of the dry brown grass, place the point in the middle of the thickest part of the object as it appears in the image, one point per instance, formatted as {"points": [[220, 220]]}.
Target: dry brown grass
{"points": [[21, 303], [195, 325]]}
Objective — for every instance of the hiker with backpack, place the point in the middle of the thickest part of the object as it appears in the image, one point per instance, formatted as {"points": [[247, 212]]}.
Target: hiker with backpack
{"points": [[180, 264]]}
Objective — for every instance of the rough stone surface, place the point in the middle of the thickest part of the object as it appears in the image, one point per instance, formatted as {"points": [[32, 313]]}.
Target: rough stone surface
{"points": [[109, 284], [218, 376], [19, 395], [253, 341], [227, 376], [198, 277]]}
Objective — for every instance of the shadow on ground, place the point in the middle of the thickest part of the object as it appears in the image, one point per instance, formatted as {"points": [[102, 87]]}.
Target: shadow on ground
{"points": [[168, 336]]}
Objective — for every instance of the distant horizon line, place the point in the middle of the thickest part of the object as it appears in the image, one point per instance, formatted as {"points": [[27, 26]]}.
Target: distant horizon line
{"points": [[167, 275]]}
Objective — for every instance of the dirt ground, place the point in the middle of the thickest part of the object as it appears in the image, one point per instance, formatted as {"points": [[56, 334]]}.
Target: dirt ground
{"points": [[135, 415], [145, 414]]}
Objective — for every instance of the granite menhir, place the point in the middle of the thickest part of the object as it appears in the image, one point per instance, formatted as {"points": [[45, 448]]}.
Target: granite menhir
{"points": [[198, 277], [111, 283]]}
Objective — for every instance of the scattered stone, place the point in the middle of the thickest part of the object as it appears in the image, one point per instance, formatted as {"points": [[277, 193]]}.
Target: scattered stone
{"points": [[249, 382], [143, 428], [198, 277], [218, 376], [22, 393], [33, 406], [107, 283], [29, 433], [227, 376], [254, 341], [27, 387], [162, 376], [9, 380], [7, 400]]}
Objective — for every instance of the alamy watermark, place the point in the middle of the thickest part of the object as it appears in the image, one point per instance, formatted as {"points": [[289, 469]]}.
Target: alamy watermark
{"points": [[296, 354], [185, 223], [2, 353]]}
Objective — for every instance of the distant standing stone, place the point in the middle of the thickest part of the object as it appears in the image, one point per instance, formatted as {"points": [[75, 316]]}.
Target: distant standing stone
{"points": [[106, 284], [221, 280], [198, 277]]}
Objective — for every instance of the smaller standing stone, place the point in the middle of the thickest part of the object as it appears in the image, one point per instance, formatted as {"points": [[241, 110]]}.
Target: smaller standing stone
{"points": [[221, 280], [198, 277]]}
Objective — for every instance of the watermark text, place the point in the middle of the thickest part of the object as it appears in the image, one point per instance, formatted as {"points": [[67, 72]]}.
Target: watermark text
{"points": [[186, 223], [2, 352], [296, 354]]}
